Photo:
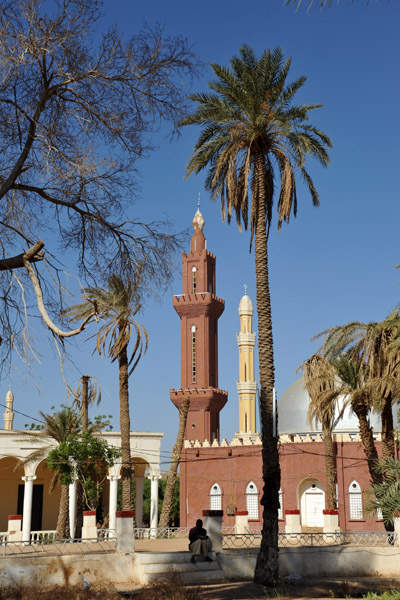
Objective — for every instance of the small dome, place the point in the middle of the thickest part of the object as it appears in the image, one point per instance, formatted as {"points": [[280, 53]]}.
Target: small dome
{"points": [[292, 414], [245, 304], [9, 396], [198, 221]]}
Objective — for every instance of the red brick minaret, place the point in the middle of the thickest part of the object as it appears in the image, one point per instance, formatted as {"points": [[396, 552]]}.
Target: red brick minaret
{"points": [[199, 310]]}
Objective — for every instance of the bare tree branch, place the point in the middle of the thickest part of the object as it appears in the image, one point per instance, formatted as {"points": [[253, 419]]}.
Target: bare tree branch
{"points": [[33, 254]]}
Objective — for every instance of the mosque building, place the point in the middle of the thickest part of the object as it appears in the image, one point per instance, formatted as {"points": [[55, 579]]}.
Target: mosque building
{"points": [[227, 475]]}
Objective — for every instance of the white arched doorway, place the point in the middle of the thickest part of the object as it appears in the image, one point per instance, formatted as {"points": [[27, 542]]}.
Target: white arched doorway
{"points": [[312, 503]]}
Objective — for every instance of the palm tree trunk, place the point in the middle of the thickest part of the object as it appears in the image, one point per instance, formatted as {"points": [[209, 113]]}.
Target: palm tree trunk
{"points": [[63, 514], [330, 467], [80, 503], [85, 403], [387, 428], [125, 424], [173, 470], [367, 439], [266, 571], [368, 442]]}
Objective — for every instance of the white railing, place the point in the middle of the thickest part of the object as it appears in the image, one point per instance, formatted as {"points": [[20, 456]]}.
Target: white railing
{"points": [[41, 536], [106, 534], [161, 532], [3, 536]]}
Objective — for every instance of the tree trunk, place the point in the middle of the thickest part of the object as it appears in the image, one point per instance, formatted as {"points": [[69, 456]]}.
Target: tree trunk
{"points": [[80, 503], [330, 466], [125, 424], [266, 571], [367, 439], [368, 442], [85, 403], [62, 531], [387, 428], [173, 470]]}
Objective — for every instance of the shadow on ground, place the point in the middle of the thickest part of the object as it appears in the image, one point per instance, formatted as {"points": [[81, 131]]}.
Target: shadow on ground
{"points": [[302, 588]]}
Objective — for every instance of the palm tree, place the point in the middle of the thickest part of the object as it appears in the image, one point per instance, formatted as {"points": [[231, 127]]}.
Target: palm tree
{"points": [[173, 470], [352, 385], [251, 132], [319, 377], [87, 393], [385, 496], [58, 426], [117, 306], [371, 346]]}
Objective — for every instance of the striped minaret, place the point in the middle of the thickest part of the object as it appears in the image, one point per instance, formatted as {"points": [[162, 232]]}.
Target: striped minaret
{"points": [[247, 386]]}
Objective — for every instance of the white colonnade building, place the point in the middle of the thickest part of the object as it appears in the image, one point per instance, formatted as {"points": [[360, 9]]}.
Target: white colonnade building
{"points": [[25, 488]]}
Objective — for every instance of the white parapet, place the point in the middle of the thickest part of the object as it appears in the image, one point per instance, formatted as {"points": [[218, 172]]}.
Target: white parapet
{"points": [[14, 528], [124, 530], [89, 529], [292, 521]]}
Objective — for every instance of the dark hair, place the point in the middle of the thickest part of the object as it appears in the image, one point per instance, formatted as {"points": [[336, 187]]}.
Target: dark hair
{"points": [[199, 523]]}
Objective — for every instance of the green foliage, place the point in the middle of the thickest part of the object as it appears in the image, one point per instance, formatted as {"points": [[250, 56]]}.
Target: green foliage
{"points": [[249, 121], [388, 595], [386, 495], [87, 458], [116, 307]]}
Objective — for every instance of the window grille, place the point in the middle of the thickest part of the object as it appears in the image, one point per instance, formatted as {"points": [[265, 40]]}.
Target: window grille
{"points": [[194, 281], [215, 497], [193, 354], [280, 509], [355, 501], [252, 500]]}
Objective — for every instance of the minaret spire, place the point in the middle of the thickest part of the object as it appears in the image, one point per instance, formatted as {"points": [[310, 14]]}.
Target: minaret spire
{"points": [[9, 414], [246, 386], [199, 309]]}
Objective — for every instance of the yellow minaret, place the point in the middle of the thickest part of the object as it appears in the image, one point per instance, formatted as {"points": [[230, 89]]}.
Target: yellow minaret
{"points": [[9, 415], [247, 386]]}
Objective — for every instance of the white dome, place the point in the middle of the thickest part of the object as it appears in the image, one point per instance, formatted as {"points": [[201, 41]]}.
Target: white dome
{"points": [[245, 304], [292, 414]]}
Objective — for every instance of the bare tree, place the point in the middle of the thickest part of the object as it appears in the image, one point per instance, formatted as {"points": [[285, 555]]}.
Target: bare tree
{"points": [[77, 110]]}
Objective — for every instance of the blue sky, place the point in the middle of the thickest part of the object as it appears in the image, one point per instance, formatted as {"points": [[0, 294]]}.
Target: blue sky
{"points": [[329, 266]]}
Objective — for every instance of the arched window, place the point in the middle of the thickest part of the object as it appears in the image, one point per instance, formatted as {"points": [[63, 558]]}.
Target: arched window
{"points": [[355, 501], [252, 500], [215, 497], [280, 509], [193, 354], [194, 280]]}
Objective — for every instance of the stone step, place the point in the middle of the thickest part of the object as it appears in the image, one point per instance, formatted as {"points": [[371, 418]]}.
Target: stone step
{"points": [[169, 557], [157, 565], [180, 567]]}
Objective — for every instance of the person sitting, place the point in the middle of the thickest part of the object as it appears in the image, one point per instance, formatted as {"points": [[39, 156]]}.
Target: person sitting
{"points": [[199, 542]]}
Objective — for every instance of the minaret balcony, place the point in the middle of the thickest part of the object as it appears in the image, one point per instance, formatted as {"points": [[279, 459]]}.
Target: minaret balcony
{"points": [[247, 387], [246, 339], [199, 303]]}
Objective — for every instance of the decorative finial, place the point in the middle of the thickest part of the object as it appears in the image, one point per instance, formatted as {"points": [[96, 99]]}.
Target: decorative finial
{"points": [[245, 289], [198, 221]]}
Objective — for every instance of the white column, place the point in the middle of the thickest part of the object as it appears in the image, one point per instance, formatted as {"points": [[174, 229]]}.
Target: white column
{"points": [[112, 504], [153, 504], [139, 481], [27, 510], [72, 509]]}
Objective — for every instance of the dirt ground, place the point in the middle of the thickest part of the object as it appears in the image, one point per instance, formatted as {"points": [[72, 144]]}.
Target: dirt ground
{"points": [[302, 589]]}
